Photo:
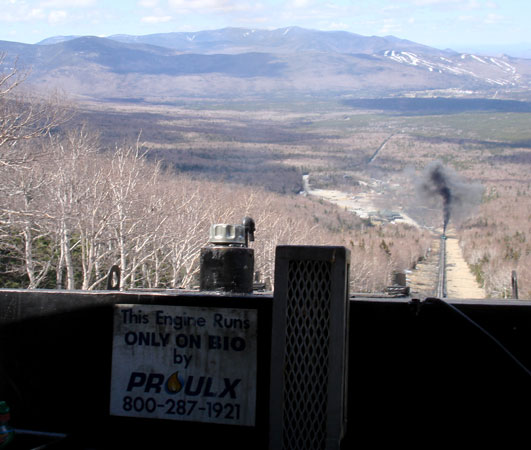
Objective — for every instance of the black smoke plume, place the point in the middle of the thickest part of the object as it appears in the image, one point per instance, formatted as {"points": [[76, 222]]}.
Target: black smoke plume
{"points": [[459, 197]]}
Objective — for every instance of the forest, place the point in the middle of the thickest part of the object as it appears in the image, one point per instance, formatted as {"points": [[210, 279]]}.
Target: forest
{"points": [[72, 207]]}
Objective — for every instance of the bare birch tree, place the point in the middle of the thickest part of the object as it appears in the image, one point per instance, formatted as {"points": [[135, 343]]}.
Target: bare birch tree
{"points": [[73, 184], [24, 116], [139, 210], [25, 207]]}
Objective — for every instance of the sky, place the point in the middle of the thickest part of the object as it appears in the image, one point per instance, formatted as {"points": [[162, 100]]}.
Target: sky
{"points": [[456, 24]]}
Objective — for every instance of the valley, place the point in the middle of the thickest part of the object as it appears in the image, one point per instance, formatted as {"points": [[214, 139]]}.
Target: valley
{"points": [[366, 162], [324, 136]]}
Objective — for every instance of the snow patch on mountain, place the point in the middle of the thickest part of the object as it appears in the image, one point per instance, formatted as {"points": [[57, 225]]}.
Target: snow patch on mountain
{"points": [[465, 65], [477, 58]]}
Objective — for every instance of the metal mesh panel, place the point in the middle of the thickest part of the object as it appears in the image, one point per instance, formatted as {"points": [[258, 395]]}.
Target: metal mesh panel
{"points": [[309, 348], [306, 357]]}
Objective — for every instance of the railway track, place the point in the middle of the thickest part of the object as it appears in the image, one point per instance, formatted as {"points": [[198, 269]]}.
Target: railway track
{"points": [[444, 273], [440, 290]]}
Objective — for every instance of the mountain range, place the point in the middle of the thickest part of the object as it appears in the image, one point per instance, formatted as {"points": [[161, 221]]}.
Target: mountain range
{"points": [[241, 63]]}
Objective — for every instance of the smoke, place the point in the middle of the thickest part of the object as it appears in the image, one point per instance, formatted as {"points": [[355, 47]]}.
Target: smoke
{"points": [[442, 184]]}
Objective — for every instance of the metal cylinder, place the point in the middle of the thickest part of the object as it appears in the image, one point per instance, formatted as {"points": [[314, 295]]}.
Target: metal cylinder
{"points": [[228, 269], [227, 264]]}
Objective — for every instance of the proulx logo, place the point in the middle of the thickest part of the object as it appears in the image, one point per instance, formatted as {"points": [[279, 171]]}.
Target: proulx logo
{"points": [[191, 386]]}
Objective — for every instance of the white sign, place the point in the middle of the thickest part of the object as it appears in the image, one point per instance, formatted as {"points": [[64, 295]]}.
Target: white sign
{"points": [[184, 363]]}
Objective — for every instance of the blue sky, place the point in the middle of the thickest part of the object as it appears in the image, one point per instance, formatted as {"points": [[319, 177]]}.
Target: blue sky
{"points": [[459, 24]]}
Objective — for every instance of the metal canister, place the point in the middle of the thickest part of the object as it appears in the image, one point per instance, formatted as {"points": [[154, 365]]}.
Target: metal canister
{"points": [[227, 263]]}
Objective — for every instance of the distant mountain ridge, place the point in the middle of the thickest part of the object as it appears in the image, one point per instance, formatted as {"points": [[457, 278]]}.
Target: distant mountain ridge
{"points": [[243, 40], [234, 62]]}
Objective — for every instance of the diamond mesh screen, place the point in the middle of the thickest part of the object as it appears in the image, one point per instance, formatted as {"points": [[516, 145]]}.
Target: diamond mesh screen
{"points": [[306, 357]]}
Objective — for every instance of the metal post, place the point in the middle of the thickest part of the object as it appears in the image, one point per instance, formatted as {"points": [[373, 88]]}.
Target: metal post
{"points": [[514, 284], [113, 278]]}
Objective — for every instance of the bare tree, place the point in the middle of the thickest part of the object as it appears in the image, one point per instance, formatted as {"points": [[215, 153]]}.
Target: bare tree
{"points": [[25, 214], [139, 210], [93, 217], [24, 115], [74, 182]]}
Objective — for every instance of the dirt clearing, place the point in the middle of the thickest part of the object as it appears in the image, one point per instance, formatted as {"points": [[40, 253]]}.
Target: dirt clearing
{"points": [[460, 282]]}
